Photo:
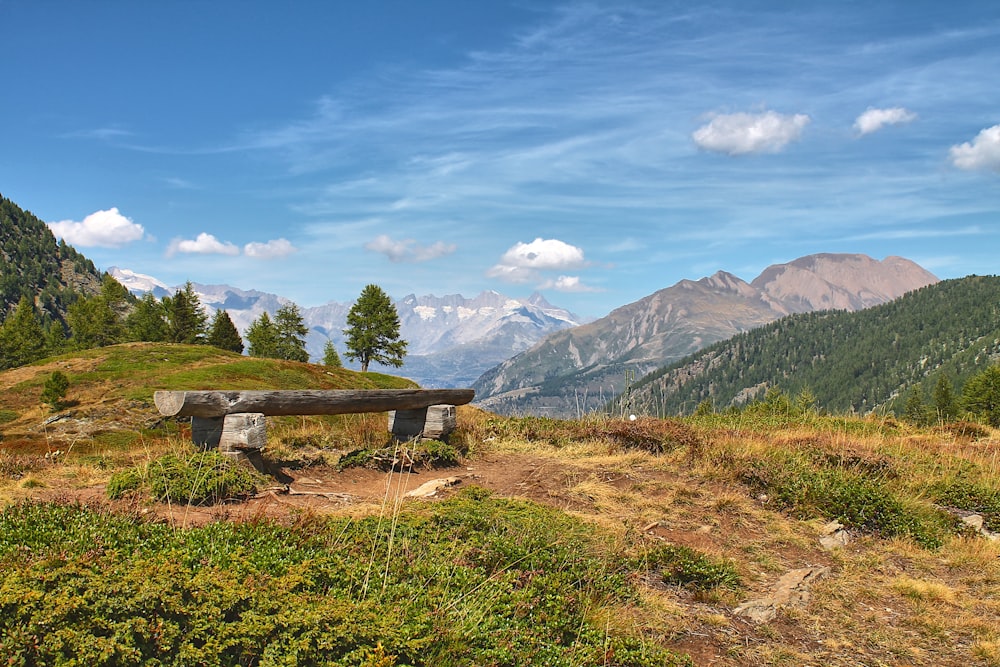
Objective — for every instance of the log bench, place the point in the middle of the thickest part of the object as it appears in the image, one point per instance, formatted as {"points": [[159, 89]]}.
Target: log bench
{"points": [[234, 421]]}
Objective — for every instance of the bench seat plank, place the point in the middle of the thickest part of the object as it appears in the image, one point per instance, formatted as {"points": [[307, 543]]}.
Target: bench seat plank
{"points": [[304, 401]]}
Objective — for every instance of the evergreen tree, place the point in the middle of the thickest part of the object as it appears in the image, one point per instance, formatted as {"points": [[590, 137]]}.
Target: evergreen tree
{"points": [[981, 395], [187, 322], [330, 356], [373, 330], [55, 390], [262, 337], [148, 321], [22, 339], [945, 403], [223, 333], [291, 330], [916, 411], [99, 321]]}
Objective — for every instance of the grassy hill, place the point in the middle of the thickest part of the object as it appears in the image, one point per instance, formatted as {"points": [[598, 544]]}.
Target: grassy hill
{"points": [[590, 542], [110, 397], [849, 361]]}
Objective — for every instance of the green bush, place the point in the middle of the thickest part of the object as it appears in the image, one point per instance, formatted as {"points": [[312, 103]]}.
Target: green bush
{"points": [[473, 580], [848, 493], [971, 496], [197, 478], [688, 567]]}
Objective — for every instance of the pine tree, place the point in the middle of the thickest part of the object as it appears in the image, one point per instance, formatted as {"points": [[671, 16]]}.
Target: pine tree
{"points": [[262, 337], [100, 320], [22, 339], [330, 356], [981, 395], [916, 411], [373, 330], [187, 322], [223, 333], [291, 329], [148, 321], [55, 390], [945, 402]]}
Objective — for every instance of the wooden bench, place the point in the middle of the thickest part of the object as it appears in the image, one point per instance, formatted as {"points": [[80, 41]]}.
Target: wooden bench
{"points": [[234, 421]]}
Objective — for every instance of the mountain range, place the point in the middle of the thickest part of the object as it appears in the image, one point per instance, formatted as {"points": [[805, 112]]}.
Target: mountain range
{"points": [[863, 361], [452, 339], [580, 369]]}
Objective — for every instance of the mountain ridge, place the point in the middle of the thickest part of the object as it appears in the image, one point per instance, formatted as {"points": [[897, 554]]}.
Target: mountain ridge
{"points": [[596, 360], [830, 354]]}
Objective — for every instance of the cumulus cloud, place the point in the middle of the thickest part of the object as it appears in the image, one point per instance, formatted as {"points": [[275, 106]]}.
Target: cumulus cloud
{"points": [[408, 250], [567, 284], [523, 261], [873, 120], [274, 249], [983, 153], [742, 133], [105, 229], [203, 244]]}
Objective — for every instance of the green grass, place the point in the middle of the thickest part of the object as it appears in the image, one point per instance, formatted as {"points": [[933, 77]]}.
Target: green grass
{"points": [[474, 580], [192, 478]]}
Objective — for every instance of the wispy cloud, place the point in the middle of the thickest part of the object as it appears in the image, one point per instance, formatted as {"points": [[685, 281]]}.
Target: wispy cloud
{"points": [[901, 234], [408, 250], [746, 133], [873, 120], [274, 249], [105, 229], [567, 284]]}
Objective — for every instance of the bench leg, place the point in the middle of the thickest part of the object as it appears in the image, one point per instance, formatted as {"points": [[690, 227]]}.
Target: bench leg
{"points": [[234, 435], [433, 423]]}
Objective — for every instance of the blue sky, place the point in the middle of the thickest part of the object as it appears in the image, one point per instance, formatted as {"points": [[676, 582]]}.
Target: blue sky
{"points": [[595, 151]]}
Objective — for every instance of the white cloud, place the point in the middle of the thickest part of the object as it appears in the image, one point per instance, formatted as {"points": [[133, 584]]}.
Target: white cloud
{"points": [[106, 229], [567, 284], [874, 120], [273, 249], [408, 250], [982, 153], [203, 244], [523, 261], [742, 133]]}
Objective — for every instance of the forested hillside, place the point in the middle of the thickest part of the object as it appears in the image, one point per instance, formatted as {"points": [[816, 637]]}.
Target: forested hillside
{"points": [[861, 361], [51, 274]]}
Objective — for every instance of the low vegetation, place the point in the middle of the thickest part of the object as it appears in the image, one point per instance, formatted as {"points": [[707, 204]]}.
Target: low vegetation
{"points": [[598, 541]]}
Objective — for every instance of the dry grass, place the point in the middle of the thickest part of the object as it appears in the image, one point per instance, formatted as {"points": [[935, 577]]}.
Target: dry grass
{"points": [[887, 601]]}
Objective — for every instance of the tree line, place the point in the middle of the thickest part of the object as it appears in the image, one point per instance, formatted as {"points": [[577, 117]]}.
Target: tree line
{"points": [[115, 316], [879, 359]]}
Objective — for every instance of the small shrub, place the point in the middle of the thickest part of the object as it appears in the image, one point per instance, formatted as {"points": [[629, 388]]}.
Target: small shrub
{"points": [[970, 496], [436, 453], [55, 390], [431, 453], [8, 416], [693, 569], [123, 482], [848, 495], [198, 478]]}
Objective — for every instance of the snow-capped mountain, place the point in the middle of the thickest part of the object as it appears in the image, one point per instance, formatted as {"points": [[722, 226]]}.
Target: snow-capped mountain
{"points": [[140, 283], [452, 339]]}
